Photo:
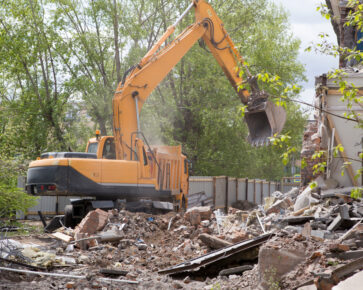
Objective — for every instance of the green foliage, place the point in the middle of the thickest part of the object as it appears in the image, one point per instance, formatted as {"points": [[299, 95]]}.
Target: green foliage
{"points": [[350, 93], [337, 149], [13, 199], [313, 184], [284, 142], [271, 279], [356, 192]]}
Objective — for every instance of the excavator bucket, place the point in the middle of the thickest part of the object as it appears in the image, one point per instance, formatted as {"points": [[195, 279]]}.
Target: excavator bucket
{"points": [[263, 122]]}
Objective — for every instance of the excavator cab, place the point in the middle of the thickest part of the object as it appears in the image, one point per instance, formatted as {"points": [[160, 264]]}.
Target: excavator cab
{"points": [[264, 121]]}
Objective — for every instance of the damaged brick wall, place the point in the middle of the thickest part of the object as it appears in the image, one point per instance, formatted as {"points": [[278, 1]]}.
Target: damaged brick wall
{"points": [[312, 138], [311, 143]]}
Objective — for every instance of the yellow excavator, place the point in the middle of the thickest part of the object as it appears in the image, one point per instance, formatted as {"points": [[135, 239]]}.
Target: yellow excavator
{"points": [[125, 166]]}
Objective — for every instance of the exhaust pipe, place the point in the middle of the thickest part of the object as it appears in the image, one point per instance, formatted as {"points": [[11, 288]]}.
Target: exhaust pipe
{"points": [[264, 121]]}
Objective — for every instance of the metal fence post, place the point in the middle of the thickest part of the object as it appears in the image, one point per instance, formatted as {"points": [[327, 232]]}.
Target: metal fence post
{"points": [[236, 189], [214, 191], [246, 189], [226, 194], [254, 191]]}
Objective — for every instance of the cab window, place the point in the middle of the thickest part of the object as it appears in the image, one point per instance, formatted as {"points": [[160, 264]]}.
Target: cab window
{"points": [[92, 147], [109, 149]]}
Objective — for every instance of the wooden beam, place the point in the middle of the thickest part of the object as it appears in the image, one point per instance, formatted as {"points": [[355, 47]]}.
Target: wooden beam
{"points": [[339, 93], [337, 139]]}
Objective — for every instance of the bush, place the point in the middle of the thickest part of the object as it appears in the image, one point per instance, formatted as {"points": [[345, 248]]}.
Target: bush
{"points": [[13, 199]]}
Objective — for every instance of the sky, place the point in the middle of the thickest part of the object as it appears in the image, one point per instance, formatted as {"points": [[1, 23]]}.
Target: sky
{"points": [[306, 24]]}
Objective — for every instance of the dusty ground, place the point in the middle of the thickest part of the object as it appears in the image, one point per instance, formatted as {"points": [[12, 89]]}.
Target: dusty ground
{"points": [[164, 249], [149, 243]]}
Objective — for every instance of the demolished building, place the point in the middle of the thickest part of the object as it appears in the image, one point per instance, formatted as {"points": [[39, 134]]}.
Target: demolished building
{"points": [[329, 127], [297, 239]]}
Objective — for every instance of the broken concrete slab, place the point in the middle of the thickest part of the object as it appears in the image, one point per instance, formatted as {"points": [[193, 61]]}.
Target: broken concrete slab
{"points": [[335, 224], [344, 211], [204, 212], [353, 282], [279, 205], [293, 193], [93, 222], [317, 234], [273, 263], [304, 199], [194, 218]]}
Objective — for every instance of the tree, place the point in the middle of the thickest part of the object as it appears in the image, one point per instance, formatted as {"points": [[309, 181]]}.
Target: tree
{"points": [[34, 90]]}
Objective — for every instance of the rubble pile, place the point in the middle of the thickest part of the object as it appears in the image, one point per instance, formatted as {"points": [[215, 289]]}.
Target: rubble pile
{"points": [[293, 239]]}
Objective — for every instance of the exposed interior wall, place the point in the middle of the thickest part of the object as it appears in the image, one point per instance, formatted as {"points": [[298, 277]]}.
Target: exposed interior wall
{"points": [[329, 130]]}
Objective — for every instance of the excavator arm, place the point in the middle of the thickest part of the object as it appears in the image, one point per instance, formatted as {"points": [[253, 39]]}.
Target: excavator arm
{"points": [[142, 79]]}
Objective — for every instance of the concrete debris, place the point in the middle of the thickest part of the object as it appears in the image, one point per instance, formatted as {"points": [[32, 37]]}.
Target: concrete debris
{"points": [[276, 260], [304, 199], [203, 211], [280, 205], [292, 241], [354, 282], [94, 221]]}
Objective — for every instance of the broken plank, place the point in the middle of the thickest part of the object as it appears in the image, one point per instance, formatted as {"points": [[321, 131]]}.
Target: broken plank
{"points": [[214, 242], [115, 272], [62, 237], [64, 275]]}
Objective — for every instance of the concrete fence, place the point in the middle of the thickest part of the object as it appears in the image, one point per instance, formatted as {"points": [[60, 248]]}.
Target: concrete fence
{"points": [[221, 191], [224, 190]]}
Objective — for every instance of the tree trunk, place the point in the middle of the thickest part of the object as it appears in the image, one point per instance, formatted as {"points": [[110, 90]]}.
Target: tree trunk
{"points": [[117, 48]]}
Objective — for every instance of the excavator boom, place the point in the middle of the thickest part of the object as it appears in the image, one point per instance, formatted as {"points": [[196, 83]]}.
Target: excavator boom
{"points": [[263, 120]]}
